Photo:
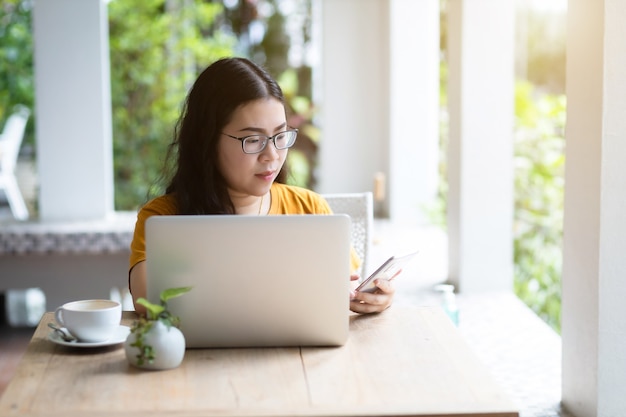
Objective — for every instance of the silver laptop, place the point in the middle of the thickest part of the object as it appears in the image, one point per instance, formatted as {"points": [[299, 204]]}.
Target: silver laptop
{"points": [[257, 280]]}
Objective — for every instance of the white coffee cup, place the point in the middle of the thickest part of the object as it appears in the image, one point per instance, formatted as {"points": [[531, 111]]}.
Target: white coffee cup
{"points": [[90, 320]]}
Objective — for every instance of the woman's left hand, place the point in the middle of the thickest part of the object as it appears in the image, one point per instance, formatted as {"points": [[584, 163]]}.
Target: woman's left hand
{"points": [[379, 300]]}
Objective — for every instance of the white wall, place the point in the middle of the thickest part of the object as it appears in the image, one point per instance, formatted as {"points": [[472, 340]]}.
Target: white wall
{"points": [[593, 310]]}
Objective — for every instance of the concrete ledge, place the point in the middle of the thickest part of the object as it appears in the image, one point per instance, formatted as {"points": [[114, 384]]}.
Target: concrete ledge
{"points": [[522, 352], [67, 260], [110, 235]]}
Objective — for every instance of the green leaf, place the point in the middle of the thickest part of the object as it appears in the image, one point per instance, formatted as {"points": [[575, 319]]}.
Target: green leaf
{"points": [[173, 293], [153, 309]]}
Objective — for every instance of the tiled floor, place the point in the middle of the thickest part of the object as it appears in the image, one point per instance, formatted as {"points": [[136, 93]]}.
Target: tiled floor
{"points": [[522, 353]]}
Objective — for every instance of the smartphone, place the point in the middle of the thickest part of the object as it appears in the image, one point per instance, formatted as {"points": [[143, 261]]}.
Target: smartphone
{"points": [[388, 270]]}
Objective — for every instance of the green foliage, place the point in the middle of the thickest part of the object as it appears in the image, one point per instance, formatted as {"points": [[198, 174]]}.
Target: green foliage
{"points": [[157, 50], [140, 328], [16, 61], [155, 312], [302, 158], [539, 187]]}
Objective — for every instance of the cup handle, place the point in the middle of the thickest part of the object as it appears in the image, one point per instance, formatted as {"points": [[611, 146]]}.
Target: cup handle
{"points": [[58, 316]]}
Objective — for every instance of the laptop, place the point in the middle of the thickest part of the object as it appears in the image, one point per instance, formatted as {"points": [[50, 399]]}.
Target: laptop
{"points": [[257, 280]]}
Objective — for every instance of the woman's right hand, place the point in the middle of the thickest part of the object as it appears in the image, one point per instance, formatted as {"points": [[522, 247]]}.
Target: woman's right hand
{"points": [[379, 300]]}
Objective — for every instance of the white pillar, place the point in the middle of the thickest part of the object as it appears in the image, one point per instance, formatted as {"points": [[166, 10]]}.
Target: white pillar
{"points": [[73, 109], [377, 88], [480, 158], [413, 107], [594, 266], [352, 90]]}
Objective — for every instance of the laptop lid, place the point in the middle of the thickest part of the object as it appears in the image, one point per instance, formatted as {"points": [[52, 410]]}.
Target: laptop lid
{"points": [[257, 280]]}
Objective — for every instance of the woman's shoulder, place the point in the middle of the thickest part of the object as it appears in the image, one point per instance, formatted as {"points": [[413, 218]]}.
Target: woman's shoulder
{"points": [[162, 205], [291, 199]]}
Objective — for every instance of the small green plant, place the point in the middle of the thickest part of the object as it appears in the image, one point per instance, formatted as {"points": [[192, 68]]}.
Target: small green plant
{"points": [[155, 312]]}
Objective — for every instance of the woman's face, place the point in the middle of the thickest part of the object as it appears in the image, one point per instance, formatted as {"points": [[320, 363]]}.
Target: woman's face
{"points": [[252, 174]]}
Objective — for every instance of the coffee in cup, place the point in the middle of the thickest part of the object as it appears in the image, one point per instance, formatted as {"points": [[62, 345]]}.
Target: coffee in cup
{"points": [[90, 320]]}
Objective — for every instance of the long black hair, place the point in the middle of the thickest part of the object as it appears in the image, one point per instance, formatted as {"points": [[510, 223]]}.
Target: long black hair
{"points": [[196, 184]]}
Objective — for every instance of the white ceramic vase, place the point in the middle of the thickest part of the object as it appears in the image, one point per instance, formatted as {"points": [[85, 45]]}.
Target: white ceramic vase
{"points": [[168, 345]]}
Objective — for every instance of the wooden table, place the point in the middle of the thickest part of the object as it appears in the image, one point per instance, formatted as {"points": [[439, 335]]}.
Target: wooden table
{"points": [[405, 361]]}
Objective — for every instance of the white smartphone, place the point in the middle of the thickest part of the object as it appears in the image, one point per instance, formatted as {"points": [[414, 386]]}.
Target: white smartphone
{"points": [[388, 270]]}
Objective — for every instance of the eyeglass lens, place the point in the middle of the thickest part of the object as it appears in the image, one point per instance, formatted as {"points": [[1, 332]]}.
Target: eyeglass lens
{"points": [[256, 144]]}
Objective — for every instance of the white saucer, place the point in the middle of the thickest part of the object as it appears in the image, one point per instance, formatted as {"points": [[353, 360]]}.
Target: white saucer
{"points": [[120, 335]]}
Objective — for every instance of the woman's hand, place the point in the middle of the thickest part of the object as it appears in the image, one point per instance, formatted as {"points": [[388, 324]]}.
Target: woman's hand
{"points": [[379, 300]]}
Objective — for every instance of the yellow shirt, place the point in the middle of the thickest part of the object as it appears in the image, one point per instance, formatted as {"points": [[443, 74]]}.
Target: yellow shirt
{"points": [[285, 199]]}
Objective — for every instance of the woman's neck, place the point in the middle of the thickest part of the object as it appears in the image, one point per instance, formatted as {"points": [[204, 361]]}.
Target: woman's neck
{"points": [[252, 205]]}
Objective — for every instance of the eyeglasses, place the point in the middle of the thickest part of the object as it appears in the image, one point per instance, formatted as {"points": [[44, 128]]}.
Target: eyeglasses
{"points": [[256, 143]]}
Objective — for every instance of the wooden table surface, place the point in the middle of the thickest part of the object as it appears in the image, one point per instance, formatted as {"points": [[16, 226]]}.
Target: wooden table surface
{"points": [[405, 361]]}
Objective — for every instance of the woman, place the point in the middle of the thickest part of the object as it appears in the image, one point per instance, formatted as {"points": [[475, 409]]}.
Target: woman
{"points": [[230, 145]]}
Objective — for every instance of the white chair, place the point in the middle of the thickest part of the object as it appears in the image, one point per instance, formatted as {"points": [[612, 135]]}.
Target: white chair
{"points": [[10, 142], [360, 208]]}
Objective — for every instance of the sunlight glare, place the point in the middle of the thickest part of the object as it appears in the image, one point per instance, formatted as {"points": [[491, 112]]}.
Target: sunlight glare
{"points": [[549, 5]]}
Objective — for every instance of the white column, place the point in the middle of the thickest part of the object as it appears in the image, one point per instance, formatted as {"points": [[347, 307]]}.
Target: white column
{"points": [[413, 107], [73, 109], [593, 309], [352, 90], [377, 88], [480, 163]]}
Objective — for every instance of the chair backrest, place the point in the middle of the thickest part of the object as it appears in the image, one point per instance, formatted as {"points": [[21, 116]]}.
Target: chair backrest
{"points": [[11, 138], [360, 208]]}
